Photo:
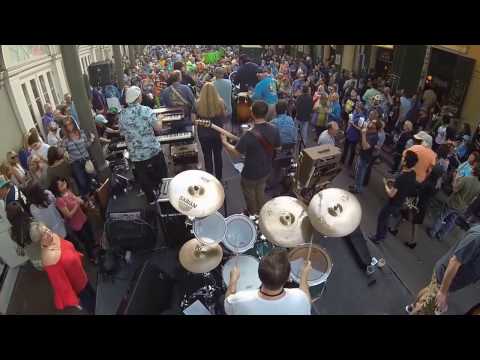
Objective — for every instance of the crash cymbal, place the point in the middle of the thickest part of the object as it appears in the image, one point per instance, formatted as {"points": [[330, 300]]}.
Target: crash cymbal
{"points": [[284, 221], [196, 193], [198, 258], [335, 212]]}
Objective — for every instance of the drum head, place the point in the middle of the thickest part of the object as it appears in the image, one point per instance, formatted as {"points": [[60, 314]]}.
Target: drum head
{"points": [[248, 272], [210, 229], [241, 233], [320, 260]]}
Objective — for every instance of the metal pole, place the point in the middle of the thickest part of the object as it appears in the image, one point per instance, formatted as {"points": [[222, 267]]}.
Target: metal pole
{"points": [[73, 72], [117, 56], [131, 55]]}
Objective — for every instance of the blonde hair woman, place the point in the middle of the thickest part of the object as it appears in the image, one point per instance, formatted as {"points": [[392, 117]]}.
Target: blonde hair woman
{"points": [[210, 106], [18, 173]]}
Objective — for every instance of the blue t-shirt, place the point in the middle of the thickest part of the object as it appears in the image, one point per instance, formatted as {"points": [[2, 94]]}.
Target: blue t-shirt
{"points": [[224, 89], [136, 125], [266, 90], [465, 169], [287, 129]]}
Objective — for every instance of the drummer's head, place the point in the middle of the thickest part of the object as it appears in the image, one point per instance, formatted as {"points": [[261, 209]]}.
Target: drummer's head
{"points": [[175, 76], [243, 59], [274, 270]]}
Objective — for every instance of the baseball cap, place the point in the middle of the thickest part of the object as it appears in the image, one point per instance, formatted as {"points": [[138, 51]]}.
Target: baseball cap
{"points": [[101, 119], [3, 182], [133, 93], [422, 135], [113, 110]]}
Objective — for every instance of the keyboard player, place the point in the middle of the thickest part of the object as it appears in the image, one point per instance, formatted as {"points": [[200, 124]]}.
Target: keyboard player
{"points": [[138, 124]]}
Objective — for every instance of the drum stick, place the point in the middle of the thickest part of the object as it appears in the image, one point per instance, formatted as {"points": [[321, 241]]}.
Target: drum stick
{"points": [[310, 248]]}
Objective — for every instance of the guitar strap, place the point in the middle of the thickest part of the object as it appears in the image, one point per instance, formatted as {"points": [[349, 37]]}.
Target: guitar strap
{"points": [[264, 142]]}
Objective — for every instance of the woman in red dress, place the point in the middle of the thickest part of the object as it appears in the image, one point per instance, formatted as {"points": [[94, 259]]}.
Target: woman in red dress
{"points": [[64, 267]]}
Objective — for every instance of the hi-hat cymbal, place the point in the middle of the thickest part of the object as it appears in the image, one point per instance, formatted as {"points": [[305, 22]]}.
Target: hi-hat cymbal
{"points": [[284, 221], [196, 193], [198, 258], [335, 212]]}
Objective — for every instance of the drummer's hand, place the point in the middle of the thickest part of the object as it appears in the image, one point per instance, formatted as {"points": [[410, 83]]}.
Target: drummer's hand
{"points": [[307, 267], [235, 274]]}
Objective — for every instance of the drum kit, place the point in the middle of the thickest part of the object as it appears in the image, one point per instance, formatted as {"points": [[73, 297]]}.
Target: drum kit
{"points": [[239, 240]]}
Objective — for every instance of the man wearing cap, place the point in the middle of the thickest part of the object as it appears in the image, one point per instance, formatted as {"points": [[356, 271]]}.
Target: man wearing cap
{"points": [[10, 193], [138, 124], [266, 90], [426, 157], [105, 132]]}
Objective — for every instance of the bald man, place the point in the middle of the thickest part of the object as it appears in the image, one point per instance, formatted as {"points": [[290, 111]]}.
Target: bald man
{"points": [[327, 137]]}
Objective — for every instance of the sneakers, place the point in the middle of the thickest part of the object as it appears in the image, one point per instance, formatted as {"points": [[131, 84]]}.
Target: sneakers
{"points": [[409, 309], [374, 239], [393, 232], [411, 245]]}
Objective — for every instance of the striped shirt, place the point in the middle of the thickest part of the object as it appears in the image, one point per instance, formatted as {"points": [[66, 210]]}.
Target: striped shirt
{"points": [[77, 149]]}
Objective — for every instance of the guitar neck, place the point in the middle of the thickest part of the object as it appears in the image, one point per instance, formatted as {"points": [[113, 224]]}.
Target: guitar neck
{"points": [[221, 131]]}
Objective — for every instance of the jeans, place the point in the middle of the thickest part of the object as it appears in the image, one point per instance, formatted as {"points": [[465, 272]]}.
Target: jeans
{"points": [[361, 172], [383, 219], [81, 177], [254, 193], [445, 223], [149, 174], [212, 151], [86, 237], [304, 125], [88, 298], [397, 158], [348, 145]]}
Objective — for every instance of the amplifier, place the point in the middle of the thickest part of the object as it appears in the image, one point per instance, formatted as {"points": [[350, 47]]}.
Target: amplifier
{"points": [[184, 154], [317, 163]]}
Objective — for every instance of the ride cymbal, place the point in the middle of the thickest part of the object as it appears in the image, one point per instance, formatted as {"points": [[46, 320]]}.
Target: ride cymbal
{"points": [[284, 221], [198, 258], [196, 193], [335, 212]]}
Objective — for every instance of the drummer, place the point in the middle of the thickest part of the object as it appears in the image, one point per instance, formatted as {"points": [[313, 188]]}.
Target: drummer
{"points": [[272, 298]]}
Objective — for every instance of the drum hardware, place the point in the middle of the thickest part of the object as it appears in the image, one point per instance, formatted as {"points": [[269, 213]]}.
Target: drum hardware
{"points": [[208, 124], [196, 193], [335, 212], [184, 154]]}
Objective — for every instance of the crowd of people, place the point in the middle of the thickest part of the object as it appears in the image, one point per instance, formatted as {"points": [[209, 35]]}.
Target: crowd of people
{"points": [[295, 102]]}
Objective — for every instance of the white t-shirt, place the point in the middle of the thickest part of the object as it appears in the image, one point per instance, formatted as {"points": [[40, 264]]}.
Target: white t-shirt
{"points": [[441, 135], [42, 151], [326, 139], [249, 302]]}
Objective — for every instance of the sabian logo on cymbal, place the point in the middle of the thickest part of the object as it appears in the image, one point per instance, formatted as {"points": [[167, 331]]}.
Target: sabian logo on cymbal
{"points": [[335, 210], [189, 204]]}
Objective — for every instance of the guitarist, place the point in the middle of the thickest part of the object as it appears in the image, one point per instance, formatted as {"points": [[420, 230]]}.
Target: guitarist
{"points": [[258, 146]]}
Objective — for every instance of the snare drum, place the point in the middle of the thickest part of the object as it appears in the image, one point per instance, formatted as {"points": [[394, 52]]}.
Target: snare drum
{"points": [[243, 105], [211, 229], [320, 261], [248, 266], [241, 233]]}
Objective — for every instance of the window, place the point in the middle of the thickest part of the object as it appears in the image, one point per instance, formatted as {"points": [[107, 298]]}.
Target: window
{"points": [[52, 88], [36, 96], [44, 90], [30, 107]]}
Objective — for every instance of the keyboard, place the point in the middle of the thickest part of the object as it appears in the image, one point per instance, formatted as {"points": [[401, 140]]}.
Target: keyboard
{"points": [[163, 139], [171, 138], [173, 117]]}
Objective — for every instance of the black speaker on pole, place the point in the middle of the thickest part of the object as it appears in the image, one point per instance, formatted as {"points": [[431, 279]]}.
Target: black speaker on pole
{"points": [[100, 73], [408, 61], [150, 292]]}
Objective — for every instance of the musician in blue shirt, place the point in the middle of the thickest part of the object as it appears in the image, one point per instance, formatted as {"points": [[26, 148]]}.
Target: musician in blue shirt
{"points": [[266, 90]]}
